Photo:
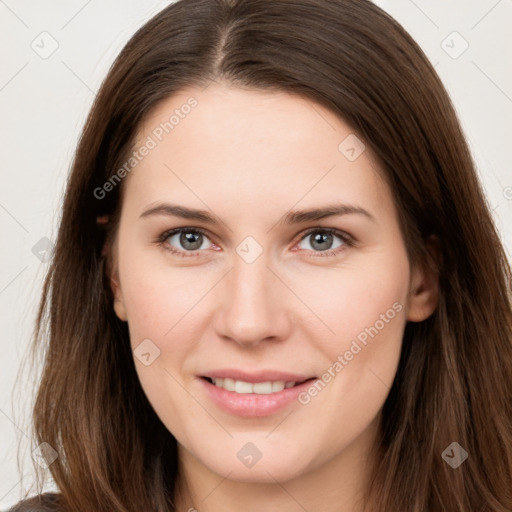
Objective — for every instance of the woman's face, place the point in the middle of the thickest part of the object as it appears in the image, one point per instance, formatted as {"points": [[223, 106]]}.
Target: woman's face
{"points": [[298, 273]]}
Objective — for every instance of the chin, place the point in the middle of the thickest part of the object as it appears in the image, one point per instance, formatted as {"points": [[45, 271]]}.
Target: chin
{"points": [[244, 462], [263, 472]]}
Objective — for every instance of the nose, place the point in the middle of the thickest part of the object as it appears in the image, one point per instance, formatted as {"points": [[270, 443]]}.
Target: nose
{"points": [[253, 304]]}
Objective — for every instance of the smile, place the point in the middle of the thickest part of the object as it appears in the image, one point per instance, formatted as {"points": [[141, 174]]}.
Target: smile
{"points": [[267, 394], [259, 388]]}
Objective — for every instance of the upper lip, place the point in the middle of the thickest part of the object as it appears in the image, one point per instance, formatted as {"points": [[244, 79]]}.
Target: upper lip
{"points": [[259, 376]]}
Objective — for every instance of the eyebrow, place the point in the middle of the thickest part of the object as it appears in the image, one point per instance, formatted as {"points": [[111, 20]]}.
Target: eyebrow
{"points": [[291, 218]]}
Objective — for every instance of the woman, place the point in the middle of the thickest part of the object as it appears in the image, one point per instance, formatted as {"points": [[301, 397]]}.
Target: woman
{"points": [[338, 334]]}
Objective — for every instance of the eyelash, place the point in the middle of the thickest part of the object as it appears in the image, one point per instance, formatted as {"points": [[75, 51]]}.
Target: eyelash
{"points": [[347, 240]]}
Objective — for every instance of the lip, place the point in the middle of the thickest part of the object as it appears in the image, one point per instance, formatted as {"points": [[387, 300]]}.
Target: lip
{"points": [[253, 377], [252, 405]]}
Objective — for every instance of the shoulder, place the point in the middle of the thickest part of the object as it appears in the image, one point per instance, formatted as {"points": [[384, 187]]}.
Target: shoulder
{"points": [[48, 502]]}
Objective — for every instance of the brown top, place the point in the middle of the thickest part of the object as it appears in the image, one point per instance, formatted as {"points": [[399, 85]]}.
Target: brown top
{"points": [[48, 502]]}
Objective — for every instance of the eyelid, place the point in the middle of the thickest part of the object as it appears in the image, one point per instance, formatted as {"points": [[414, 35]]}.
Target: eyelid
{"points": [[348, 240], [190, 229]]}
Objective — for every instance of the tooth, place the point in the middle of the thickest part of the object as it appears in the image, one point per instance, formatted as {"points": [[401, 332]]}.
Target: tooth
{"points": [[260, 388], [277, 386], [263, 388], [229, 384], [243, 387]]}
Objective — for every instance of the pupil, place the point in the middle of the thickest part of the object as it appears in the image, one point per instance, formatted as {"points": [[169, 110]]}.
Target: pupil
{"points": [[321, 238], [190, 238]]}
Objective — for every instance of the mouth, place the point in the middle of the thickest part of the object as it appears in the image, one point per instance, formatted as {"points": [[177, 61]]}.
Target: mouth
{"points": [[254, 393], [258, 388]]}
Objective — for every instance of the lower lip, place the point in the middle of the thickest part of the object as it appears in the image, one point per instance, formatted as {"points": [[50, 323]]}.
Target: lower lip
{"points": [[252, 405]]}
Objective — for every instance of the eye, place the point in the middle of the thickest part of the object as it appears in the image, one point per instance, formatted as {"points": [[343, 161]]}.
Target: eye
{"points": [[322, 241], [181, 241], [188, 242]]}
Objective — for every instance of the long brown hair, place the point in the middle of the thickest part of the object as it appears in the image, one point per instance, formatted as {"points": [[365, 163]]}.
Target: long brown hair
{"points": [[454, 378]]}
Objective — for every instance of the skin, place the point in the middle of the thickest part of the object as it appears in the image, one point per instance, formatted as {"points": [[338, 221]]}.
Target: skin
{"points": [[249, 157]]}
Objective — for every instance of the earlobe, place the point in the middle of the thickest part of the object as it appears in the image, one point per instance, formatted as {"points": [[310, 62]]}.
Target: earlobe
{"points": [[424, 291], [119, 307], [120, 310]]}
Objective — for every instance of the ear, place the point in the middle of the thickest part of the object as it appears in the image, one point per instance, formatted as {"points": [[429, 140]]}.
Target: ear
{"points": [[110, 253], [424, 288]]}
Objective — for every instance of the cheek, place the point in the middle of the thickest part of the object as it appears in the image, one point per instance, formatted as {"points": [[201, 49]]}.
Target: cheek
{"points": [[158, 297], [362, 300], [365, 312], [163, 319]]}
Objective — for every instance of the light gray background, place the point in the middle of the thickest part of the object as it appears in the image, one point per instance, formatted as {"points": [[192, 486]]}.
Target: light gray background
{"points": [[44, 102]]}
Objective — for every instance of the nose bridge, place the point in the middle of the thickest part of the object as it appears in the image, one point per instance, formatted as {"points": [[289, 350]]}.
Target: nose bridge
{"points": [[254, 308], [250, 282]]}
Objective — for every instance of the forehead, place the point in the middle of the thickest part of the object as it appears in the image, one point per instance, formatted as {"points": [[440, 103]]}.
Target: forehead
{"points": [[256, 148], [240, 120]]}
